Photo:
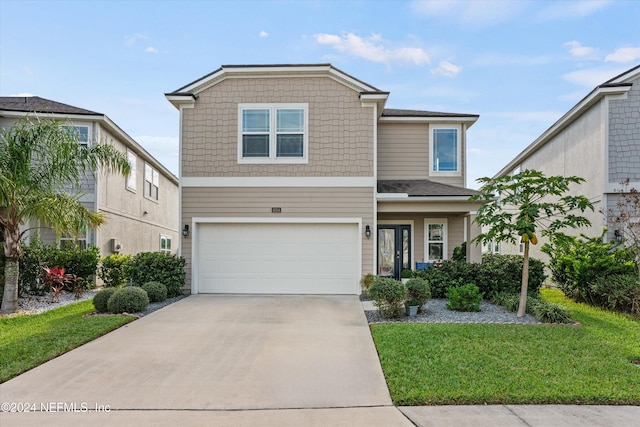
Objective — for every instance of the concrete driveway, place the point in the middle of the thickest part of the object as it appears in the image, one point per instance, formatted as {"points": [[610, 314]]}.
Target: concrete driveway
{"points": [[218, 360]]}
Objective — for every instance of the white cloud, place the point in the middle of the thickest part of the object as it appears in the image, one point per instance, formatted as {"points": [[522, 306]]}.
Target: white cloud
{"points": [[446, 69], [264, 34], [592, 77], [624, 54], [22, 94], [131, 40], [572, 9], [479, 13], [373, 49], [151, 49], [583, 52]]}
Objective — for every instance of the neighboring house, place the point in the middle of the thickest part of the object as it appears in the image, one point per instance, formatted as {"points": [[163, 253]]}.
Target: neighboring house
{"points": [[296, 179], [141, 211], [598, 140]]}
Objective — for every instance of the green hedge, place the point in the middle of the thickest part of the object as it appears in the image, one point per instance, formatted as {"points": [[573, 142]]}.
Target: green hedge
{"points": [[157, 267], [496, 273], [36, 255], [112, 269]]}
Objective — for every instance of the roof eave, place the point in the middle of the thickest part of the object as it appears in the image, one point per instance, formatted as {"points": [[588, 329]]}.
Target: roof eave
{"points": [[468, 120], [587, 102]]}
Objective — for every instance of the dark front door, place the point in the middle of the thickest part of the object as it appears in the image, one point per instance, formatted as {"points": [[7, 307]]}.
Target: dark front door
{"points": [[394, 250]]}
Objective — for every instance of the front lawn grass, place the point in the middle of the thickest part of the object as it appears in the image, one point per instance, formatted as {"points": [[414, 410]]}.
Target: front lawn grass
{"points": [[435, 364], [27, 341]]}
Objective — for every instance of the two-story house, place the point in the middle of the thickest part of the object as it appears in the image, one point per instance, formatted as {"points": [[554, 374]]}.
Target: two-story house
{"points": [[296, 179], [598, 140], [140, 211]]}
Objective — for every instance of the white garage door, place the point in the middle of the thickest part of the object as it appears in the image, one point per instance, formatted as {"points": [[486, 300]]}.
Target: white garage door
{"points": [[278, 258]]}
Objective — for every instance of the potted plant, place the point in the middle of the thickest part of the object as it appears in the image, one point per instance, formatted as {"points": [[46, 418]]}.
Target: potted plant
{"points": [[419, 290], [405, 275], [411, 307]]}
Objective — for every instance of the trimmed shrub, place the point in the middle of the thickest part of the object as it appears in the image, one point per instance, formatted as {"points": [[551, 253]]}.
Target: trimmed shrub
{"points": [[157, 267], [111, 269], [418, 289], [156, 291], [547, 312], [406, 274], [620, 292], [464, 298], [131, 299], [101, 299], [388, 296], [366, 282], [36, 255]]}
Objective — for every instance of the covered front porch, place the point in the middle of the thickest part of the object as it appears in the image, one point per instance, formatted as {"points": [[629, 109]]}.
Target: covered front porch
{"points": [[422, 222]]}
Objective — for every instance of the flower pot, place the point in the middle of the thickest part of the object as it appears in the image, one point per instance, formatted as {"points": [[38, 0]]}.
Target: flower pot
{"points": [[405, 280], [412, 311]]}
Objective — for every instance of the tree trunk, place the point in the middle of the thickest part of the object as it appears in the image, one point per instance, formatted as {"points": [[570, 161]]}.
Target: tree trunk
{"points": [[522, 308], [12, 254]]}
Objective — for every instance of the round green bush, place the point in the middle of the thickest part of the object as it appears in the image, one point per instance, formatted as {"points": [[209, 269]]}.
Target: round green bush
{"points": [[101, 298], [389, 296], [131, 299], [157, 291]]}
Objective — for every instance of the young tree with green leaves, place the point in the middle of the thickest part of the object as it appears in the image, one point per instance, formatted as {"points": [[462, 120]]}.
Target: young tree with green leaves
{"points": [[625, 219], [516, 207], [41, 164]]}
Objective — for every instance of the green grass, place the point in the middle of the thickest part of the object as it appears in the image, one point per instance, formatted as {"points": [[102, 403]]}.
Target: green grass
{"points": [[27, 341], [431, 364]]}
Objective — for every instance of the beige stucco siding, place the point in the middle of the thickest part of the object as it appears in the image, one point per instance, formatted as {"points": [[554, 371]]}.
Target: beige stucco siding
{"points": [[403, 153], [133, 219], [237, 202], [578, 150], [340, 128]]}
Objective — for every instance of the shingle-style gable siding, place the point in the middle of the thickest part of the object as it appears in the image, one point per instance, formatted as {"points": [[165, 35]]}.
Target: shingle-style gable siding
{"points": [[624, 136], [340, 128]]}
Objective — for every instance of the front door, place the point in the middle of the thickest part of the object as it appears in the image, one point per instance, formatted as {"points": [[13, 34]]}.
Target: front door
{"points": [[394, 250]]}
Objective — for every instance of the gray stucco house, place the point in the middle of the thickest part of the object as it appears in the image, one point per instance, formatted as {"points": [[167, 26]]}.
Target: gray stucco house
{"points": [[140, 211], [297, 179], [598, 140]]}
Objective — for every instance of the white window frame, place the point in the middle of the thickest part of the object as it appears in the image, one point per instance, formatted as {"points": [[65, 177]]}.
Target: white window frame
{"points": [[164, 238], [79, 240], [272, 134], [445, 234], [132, 158], [155, 182], [458, 128]]}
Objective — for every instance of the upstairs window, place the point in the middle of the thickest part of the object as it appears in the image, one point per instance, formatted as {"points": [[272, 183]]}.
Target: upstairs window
{"points": [[131, 179], [272, 133], [444, 150], [151, 182]]}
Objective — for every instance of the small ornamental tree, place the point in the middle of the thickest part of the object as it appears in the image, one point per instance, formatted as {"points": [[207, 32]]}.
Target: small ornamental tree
{"points": [[625, 219], [516, 207]]}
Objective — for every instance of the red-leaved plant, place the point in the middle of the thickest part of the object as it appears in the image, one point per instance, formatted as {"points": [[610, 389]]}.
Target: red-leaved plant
{"points": [[58, 280]]}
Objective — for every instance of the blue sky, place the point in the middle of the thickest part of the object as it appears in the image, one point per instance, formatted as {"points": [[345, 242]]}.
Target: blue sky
{"points": [[520, 65]]}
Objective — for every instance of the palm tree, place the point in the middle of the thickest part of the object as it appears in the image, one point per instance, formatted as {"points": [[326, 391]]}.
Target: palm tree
{"points": [[41, 164]]}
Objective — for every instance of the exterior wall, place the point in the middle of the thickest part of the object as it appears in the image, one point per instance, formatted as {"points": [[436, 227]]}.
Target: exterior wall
{"points": [[577, 150], [624, 137], [455, 230], [294, 202], [340, 128], [403, 153], [133, 219]]}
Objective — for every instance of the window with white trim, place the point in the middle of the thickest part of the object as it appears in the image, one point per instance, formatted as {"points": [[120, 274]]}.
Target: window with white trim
{"points": [[435, 239], [273, 133], [131, 179], [151, 182], [165, 244], [445, 150], [67, 241]]}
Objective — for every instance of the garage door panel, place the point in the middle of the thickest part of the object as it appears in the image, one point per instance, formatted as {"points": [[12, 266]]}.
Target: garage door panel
{"points": [[278, 258]]}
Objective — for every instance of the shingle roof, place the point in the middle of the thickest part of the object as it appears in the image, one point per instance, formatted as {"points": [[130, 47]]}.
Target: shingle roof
{"points": [[423, 188], [41, 105], [394, 112]]}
